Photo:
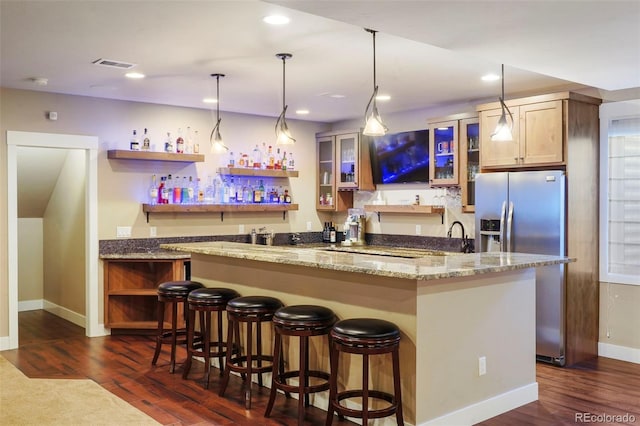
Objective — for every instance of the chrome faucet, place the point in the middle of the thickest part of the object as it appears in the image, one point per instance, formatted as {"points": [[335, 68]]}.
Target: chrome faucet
{"points": [[466, 246]]}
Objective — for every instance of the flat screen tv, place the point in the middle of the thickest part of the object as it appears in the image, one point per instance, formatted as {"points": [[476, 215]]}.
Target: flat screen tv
{"points": [[401, 157]]}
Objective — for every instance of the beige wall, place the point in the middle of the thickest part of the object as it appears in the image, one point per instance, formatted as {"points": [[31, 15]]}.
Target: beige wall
{"points": [[30, 252], [64, 237], [619, 315]]}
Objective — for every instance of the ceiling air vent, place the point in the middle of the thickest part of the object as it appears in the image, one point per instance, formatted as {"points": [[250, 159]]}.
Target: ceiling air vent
{"points": [[113, 64]]}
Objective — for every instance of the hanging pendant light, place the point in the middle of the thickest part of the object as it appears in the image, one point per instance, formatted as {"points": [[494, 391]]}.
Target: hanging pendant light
{"points": [[283, 135], [502, 133], [217, 145], [373, 123]]}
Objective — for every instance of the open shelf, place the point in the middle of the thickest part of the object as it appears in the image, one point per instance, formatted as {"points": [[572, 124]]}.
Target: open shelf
{"points": [[121, 154], [218, 208], [404, 209], [241, 171]]}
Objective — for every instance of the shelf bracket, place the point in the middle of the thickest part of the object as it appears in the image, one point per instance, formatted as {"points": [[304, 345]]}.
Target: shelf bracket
{"points": [[284, 214], [221, 216], [442, 218], [147, 217], [378, 213]]}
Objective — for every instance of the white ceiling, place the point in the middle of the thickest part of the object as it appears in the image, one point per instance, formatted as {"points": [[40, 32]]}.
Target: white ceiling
{"points": [[429, 53]]}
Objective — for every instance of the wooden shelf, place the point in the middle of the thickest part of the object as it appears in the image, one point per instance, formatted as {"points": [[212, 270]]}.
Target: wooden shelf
{"points": [[240, 171], [404, 209], [218, 208], [121, 154]]}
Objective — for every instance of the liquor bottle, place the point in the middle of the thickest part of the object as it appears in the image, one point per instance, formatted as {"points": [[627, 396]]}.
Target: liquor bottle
{"points": [[177, 191], [196, 143], [256, 193], [191, 191], [209, 193], [188, 143], [291, 164], [271, 160], [247, 193], [135, 143], [332, 233], [265, 159], [240, 160], [239, 193], [153, 191], [232, 160], [225, 192], [169, 191], [325, 233], [161, 194], [280, 194], [168, 143], [247, 160], [232, 192], [180, 143], [287, 197], [146, 142], [257, 157], [262, 192], [283, 162], [200, 192]]}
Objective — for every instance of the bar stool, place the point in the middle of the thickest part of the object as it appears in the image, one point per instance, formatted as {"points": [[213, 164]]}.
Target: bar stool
{"points": [[364, 336], [175, 293], [206, 301], [249, 310], [302, 321]]}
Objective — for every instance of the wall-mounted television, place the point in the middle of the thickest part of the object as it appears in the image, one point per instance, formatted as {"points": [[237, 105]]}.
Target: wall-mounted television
{"points": [[401, 157]]}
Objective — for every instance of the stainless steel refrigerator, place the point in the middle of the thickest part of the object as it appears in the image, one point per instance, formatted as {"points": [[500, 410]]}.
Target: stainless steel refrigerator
{"points": [[526, 212]]}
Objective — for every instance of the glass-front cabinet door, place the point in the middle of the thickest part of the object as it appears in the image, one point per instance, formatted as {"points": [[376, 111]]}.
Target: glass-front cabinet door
{"points": [[469, 162], [347, 146], [443, 153], [325, 179]]}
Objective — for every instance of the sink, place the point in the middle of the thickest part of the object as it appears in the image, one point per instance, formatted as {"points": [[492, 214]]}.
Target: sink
{"points": [[407, 253]]}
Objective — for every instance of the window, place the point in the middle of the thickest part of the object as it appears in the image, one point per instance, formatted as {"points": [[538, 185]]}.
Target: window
{"points": [[620, 186]]}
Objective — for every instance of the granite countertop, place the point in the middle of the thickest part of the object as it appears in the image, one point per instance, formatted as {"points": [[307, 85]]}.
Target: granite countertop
{"points": [[396, 262], [144, 255]]}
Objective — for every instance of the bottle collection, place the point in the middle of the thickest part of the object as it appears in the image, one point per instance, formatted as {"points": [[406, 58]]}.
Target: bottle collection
{"points": [[217, 190], [189, 144], [265, 158], [329, 233]]}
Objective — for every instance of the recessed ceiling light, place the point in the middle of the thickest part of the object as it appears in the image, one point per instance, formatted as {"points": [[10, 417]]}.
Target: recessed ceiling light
{"points": [[210, 100], [383, 97], [134, 75], [490, 77], [40, 81], [337, 96], [302, 111], [276, 20]]}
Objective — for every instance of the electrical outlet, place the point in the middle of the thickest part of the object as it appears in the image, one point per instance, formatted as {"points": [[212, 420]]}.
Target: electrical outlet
{"points": [[418, 229], [482, 366], [123, 232], [153, 231], [240, 229], [308, 226]]}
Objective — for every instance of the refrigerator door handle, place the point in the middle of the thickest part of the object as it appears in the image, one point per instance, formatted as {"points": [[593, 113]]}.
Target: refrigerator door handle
{"points": [[503, 213], [509, 226]]}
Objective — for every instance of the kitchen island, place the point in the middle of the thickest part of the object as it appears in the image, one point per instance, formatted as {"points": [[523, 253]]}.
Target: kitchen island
{"points": [[453, 310]]}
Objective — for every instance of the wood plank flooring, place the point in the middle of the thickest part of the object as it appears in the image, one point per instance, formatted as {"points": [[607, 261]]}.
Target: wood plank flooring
{"points": [[54, 348]]}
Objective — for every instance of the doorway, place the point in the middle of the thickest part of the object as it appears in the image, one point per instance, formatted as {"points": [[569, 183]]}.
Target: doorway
{"points": [[89, 145]]}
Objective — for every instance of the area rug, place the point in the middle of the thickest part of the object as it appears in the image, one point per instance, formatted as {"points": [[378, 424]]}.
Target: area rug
{"points": [[25, 401]]}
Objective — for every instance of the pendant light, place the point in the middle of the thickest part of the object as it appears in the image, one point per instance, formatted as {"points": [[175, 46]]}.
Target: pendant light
{"points": [[283, 135], [502, 133], [217, 145], [373, 123]]}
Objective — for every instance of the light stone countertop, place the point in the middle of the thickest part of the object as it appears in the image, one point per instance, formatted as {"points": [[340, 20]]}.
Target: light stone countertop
{"points": [[415, 264], [146, 255]]}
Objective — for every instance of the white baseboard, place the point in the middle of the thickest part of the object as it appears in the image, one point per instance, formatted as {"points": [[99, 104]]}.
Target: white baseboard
{"points": [[491, 407], [65, 313], [622, 353], [5, 344], [30, 305]]}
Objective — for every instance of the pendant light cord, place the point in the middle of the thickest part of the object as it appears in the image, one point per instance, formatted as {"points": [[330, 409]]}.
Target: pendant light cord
{"points": [[373, 32], [218, 97], [502, 80], [283, 79]]}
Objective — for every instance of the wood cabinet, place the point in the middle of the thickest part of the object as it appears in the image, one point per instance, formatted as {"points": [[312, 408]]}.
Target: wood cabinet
{"points": [[343, 166], [130, 291], [469, 164], [443, 153], [538, 134]]}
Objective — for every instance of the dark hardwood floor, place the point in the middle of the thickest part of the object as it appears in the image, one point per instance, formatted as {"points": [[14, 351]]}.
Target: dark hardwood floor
{"points": [[54, 348]]}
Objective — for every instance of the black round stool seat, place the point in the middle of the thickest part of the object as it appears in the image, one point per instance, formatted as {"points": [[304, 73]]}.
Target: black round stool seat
{"points": [[174, 293], [379, 331], [207, 302], [178, 288], [211, 296], [248, 310], [301, 321], [251, 304], [366, 337]]}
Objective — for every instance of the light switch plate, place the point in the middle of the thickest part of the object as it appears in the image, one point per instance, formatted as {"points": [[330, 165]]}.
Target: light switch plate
{"points": [[153, 231], [123, 232], [418, 230], [240, 229]]}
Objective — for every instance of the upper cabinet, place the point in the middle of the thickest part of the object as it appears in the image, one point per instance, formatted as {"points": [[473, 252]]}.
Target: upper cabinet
{"points": [[540, 131], [469, 161], [343, 165], [443, 153]]}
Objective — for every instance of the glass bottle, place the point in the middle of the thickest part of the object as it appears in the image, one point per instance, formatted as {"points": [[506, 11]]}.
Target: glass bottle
{"points": [[247, 193], [188, 143], [291, 164], [161, 190], [180, 143], [168, 143], [232, 160], [169, 191], [284, 161], [257, 157], [262, 192], [153, 191], [271, 160], [191, 191], [199, 191], [196, 143], [146, 142], [135, 143], [232, 191], [177, 191]]}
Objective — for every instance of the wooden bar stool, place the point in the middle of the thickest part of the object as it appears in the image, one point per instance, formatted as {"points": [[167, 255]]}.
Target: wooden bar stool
{"points": [[174, 293], [248, 310], [206, 301], [364, 336], [302, 321]]}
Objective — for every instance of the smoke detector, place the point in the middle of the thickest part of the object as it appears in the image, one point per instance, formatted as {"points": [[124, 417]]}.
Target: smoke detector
{"points": [[113, 64]]}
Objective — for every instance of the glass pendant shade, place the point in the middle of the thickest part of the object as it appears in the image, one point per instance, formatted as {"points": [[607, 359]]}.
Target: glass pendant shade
{"points": [[373, 125], [283, 134], [503, 131], [217, 144]]}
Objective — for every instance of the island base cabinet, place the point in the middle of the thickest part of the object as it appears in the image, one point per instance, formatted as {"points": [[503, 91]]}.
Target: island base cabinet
{"points": [[130, 293]]}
